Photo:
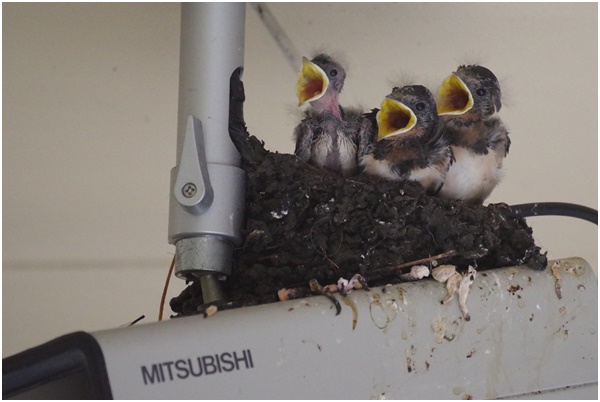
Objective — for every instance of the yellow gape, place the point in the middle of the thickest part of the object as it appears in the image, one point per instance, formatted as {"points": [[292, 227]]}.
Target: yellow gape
{"points": [[453, 97], [394, 118], [312, 82]]}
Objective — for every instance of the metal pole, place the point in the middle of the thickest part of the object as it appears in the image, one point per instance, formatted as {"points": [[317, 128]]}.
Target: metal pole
{"points": [[207, 184]]}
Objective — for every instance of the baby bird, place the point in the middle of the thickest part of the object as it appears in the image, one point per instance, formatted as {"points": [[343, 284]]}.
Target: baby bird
{"points": [[327, 136], [467, 101], [409, 144]]}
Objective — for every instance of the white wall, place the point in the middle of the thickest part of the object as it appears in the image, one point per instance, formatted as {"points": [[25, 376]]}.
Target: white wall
{"points": [[90, 114]]}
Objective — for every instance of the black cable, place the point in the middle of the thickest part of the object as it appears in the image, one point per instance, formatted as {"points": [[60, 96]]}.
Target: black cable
{"points": [[557, 209]]}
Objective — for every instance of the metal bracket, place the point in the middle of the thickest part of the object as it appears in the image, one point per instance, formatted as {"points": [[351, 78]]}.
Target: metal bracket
{"points": [[192, 188]]}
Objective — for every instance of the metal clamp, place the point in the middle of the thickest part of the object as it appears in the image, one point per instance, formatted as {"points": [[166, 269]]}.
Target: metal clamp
{"points": [[192, 188]]}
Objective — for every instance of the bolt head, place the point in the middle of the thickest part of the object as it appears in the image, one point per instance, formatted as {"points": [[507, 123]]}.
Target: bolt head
{"points": [[189, 190]]}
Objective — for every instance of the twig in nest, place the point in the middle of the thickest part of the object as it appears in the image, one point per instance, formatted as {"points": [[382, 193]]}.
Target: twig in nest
{"points": [[134, 321], [447, 254], [321, 249], [329, 260], [164, 295], [255, 234]]}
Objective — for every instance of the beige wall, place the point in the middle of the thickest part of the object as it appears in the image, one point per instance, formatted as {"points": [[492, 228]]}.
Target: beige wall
{"points": [[89, 120]]}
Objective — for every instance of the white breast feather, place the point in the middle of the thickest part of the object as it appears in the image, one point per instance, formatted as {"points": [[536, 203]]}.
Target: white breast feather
{"points": [[320, 149], [472, 175], [430, 178], [347, 150], [378, 167]]}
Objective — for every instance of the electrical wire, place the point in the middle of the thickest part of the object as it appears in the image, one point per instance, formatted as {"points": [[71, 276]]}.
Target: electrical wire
{"points": [[283, 41], [164, 294], [556, 209]]}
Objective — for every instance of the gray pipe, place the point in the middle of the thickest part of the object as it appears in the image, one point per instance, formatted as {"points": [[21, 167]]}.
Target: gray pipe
{"points": [[207, 184]]}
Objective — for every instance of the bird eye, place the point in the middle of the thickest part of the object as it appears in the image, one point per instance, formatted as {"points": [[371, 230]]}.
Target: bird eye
{"points": [[333, 72], [420, 106], [481, 92]]}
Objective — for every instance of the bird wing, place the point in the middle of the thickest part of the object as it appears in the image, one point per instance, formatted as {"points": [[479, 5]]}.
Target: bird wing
{"points": [[497, 136], [367, 132], [304, 134]]}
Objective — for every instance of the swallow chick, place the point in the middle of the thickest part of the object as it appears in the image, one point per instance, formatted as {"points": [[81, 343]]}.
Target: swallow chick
{"points": [[467, 102], [327, 135], [409, 144]]}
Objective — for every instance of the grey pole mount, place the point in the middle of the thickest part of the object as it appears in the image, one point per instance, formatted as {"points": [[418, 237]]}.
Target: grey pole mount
{"points": [[207, 184]]}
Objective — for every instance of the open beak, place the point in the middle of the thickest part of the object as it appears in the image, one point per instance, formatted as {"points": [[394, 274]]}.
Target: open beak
{"points": [[454, 97], [394, 118], [312, 82]]}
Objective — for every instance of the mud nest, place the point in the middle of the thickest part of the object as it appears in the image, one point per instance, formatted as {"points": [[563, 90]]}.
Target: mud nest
{"points": [[302, 223]]}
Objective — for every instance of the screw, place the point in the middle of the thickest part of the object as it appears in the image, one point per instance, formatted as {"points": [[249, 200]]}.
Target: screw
{"points": [[189, 190]]}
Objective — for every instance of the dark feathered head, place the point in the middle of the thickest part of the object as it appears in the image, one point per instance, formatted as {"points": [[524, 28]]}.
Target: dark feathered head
{"points": [[408, 111], [471, 88]]}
